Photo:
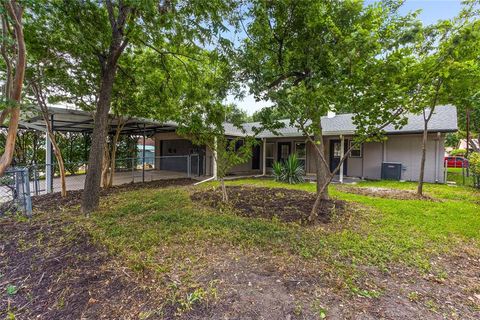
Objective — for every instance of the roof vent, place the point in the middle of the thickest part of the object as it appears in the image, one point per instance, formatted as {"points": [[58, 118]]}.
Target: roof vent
{"points": [[330, 114]]}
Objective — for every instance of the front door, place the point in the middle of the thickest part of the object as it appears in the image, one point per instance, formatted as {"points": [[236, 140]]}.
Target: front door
{"points": [[335, 155], [283, 151], [256, 157]]}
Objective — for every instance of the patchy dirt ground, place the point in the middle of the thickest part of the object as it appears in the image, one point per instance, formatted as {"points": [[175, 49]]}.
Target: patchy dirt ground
{"points": [[53, 201], [60, 273], [284, 204], [385, 193], [50, 268]]}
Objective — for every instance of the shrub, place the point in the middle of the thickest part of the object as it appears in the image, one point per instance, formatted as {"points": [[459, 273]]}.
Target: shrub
{"points": [[290, 171], [474, 166], [458, 152], [278, 171]]}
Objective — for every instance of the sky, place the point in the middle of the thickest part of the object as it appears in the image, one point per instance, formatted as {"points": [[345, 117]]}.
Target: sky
{"points": [[431, 12]]}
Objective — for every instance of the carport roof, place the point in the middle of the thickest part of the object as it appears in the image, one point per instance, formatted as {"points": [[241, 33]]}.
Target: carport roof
{"points": [[71, 120], [444, 119]]}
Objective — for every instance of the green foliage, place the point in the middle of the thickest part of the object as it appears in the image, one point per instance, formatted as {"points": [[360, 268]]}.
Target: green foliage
{"points": [[272, 113], [458, 152], [230, 154], [73, 147], [310, 57], [464, 72], [278, 171], [452, 140], [29, 147], [68, 42], [474, 167], [12, 290], [290, 171], [235, 114]]}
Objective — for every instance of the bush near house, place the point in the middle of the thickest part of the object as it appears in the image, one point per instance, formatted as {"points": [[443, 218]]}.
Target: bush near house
{"points": [[458, 152], [290, 171], [474, 161]]}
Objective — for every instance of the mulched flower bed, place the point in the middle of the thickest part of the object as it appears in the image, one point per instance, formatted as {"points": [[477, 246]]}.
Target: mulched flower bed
{"points": [[54, 201], [396, 194], [284, 204]]}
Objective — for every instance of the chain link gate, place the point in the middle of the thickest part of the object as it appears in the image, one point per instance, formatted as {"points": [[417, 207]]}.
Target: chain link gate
{"points": [[15, 192]]}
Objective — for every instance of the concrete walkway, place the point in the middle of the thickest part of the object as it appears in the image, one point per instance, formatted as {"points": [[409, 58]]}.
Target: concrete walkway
{"points": [[77, 182]]}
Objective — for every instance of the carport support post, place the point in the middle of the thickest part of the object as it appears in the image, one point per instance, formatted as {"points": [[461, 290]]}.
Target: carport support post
{"points": [[264, 153], [143, 155], [342, 153], [215, 158], [48, 162]]}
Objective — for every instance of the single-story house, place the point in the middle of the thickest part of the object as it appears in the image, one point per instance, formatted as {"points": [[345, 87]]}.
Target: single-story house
{"points": [[402, 148]]}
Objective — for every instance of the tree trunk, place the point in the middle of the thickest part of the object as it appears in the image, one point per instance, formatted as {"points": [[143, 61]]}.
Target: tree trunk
{"points": [[15, 12], [108, 64], [91, 191], [422, 161], [322, 173], [106, 165], [224, 191], [113, 157], [56, 149]]}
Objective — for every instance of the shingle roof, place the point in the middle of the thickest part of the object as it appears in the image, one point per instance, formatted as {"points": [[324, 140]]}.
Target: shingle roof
{"points": [[444, 119]]}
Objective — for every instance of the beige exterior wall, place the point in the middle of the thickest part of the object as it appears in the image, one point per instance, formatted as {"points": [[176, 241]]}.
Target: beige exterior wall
{"points": [[405, 149]]}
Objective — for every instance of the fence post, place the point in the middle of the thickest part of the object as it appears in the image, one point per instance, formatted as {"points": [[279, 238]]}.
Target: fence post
{"points": [[133, 170], [27, 196], [189, 159], [445, 171], [48, 164]]}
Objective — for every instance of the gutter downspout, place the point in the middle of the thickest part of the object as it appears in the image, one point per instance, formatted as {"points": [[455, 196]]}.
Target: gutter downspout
{"points": [[342, 153], [206, 180], [437, 142], [264, 160], [215, 176]]}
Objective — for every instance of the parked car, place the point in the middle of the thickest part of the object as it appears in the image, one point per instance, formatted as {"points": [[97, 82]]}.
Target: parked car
{"points": [[456, 162]]}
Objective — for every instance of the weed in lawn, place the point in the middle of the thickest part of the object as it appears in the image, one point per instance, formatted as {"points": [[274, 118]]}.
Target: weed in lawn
{"points": [[319, 309], [431, 305], [413, 296], [365, 293], [12, 290], [298, 309]]}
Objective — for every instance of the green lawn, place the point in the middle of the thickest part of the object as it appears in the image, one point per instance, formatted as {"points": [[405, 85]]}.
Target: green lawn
{"points": [[157, 229]]}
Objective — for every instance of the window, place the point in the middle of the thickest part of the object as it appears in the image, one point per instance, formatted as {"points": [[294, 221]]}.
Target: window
{"points": [[269, 158], [356, 151], [301, 151], [238, 143], [337, 150], [284, 151]]}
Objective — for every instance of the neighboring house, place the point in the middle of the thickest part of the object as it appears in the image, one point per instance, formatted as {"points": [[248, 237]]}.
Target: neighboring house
{"points": [[401, 146], [474, 144], [149, 151], [462, 145]]}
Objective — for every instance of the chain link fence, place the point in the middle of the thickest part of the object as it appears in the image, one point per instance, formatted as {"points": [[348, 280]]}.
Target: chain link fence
{"points": [[15, 192], [20, 183]]}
